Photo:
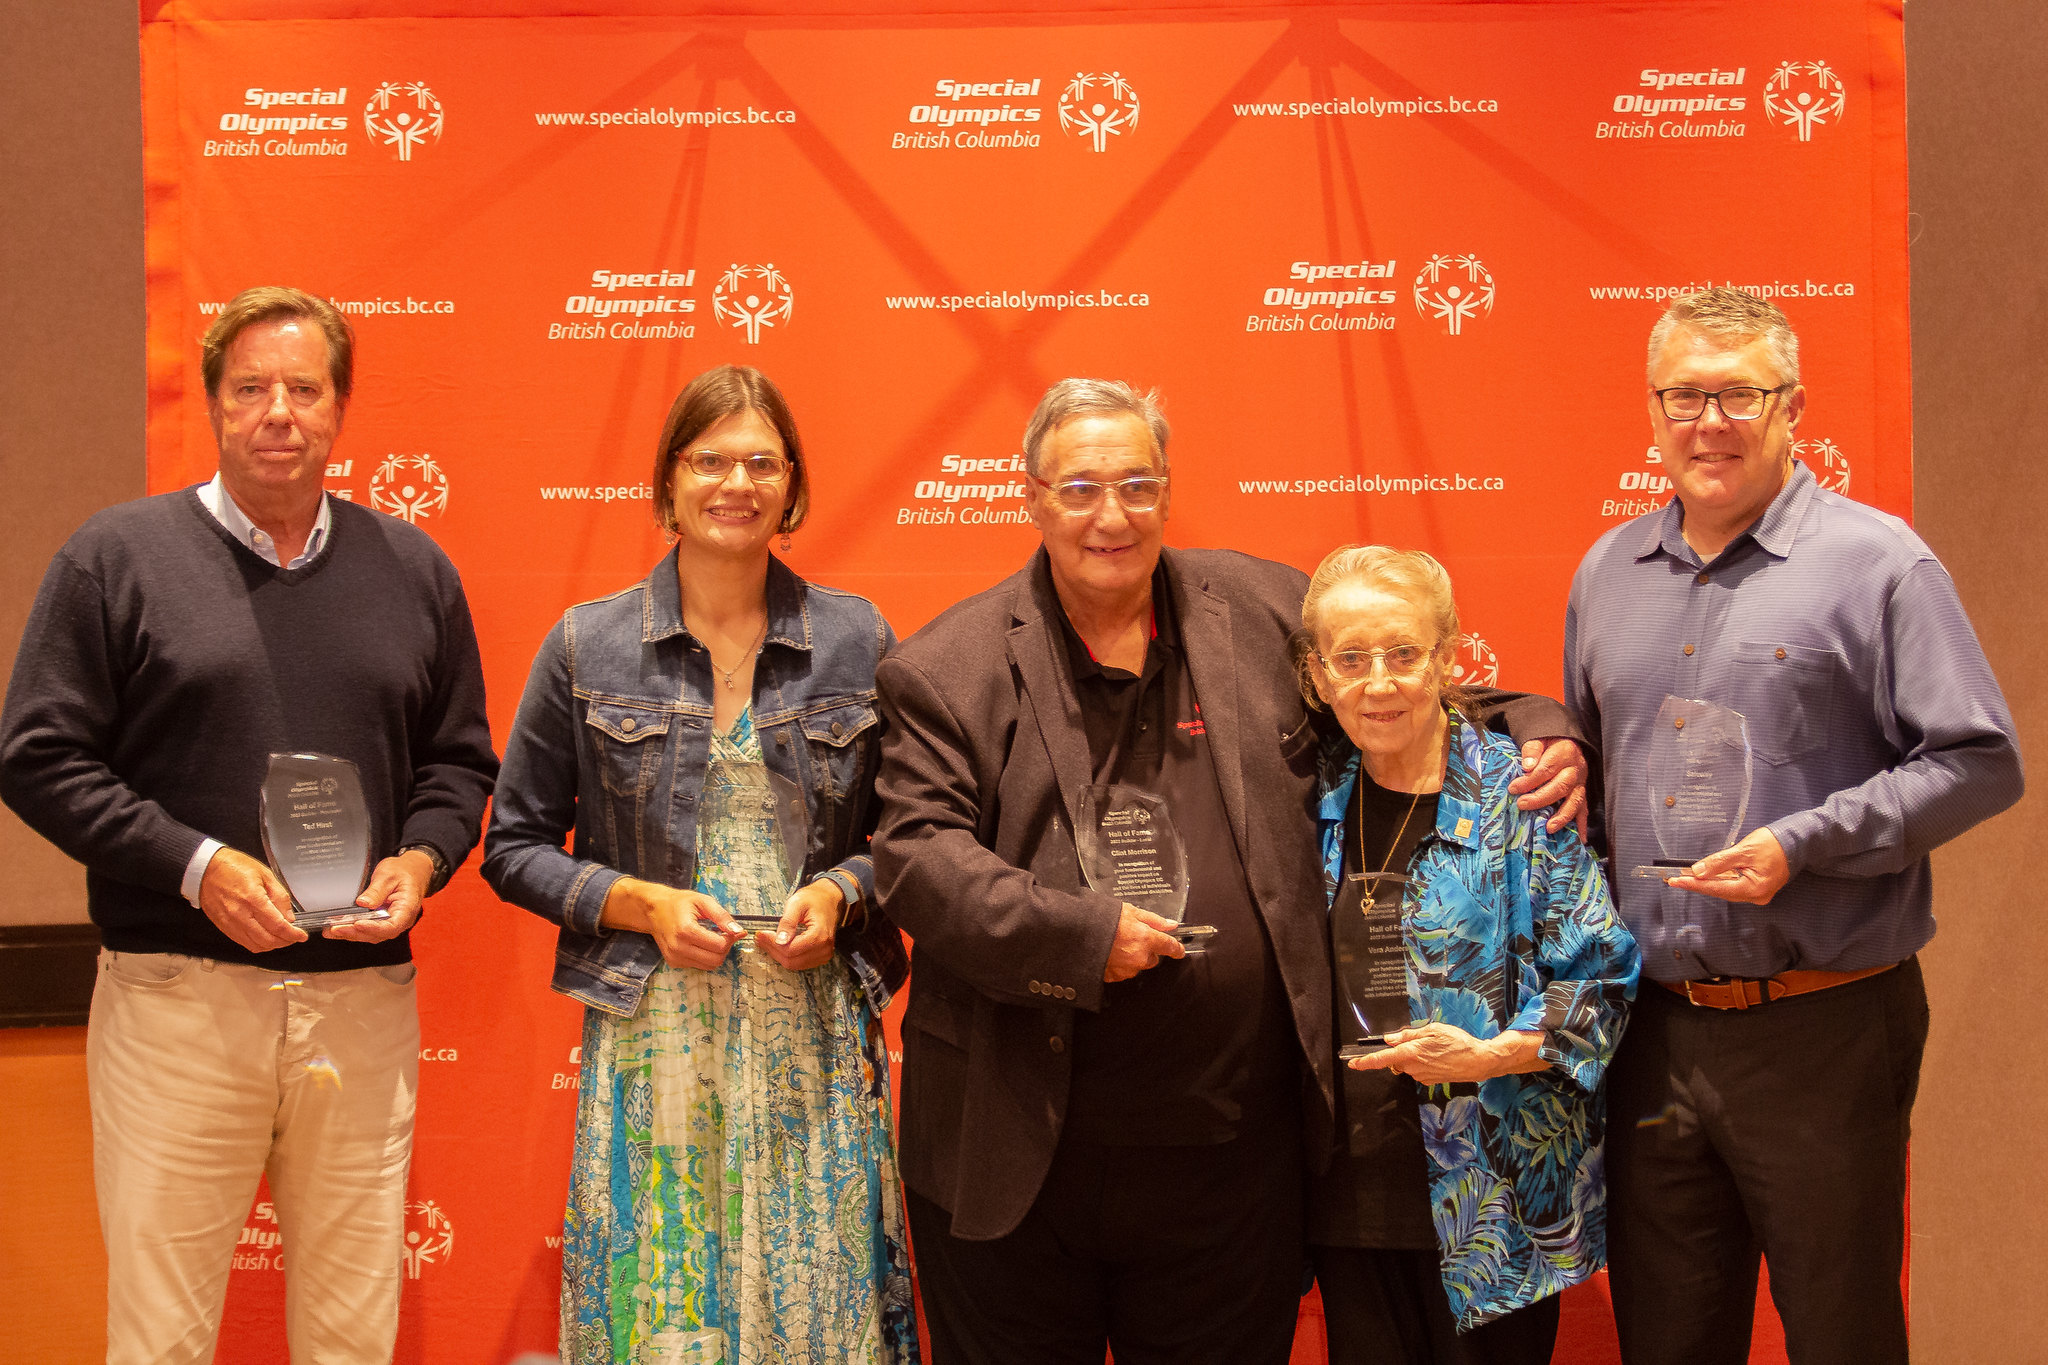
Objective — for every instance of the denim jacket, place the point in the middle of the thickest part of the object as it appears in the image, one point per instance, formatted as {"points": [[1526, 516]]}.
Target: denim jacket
{"points": [[612, 740], [1508, 927]]}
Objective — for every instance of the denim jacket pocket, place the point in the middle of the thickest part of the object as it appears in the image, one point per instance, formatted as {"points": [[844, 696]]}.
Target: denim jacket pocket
{"points": [[839, 742], [628, 743]]}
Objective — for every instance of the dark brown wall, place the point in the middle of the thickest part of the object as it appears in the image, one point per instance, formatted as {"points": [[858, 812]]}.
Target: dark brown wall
{"points": [[71, 368], [71, 405], [1977, 119]]}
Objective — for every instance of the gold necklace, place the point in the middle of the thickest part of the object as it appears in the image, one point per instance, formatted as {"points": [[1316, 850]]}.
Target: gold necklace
{"points": [[1372, 885]]}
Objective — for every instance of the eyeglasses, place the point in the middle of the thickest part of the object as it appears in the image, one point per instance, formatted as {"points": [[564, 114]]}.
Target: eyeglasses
{"points": [[1404, 663], [1078, 497], [1745, 403], [716, 466]]}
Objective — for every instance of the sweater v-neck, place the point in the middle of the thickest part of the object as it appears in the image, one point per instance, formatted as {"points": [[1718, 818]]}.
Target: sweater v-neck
{"points": [[278, 573]]}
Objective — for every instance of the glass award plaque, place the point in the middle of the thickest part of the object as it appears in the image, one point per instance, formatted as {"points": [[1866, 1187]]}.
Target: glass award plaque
{"points": [[764, 807], [1370, 961], [1700, 770], [316, 837], [1130, 850]]}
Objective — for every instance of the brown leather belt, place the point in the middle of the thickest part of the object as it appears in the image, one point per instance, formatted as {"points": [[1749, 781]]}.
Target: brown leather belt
{"points": [[1741, 992]]}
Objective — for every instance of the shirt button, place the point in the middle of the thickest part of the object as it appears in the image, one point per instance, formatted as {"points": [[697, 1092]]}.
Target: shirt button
{"points": [[1670, 801], [1701, 579], [1781, 653], [837, 729], [1057, 1045], [1688, 649], [627, 725], [1679, 723], [1677, 954]]}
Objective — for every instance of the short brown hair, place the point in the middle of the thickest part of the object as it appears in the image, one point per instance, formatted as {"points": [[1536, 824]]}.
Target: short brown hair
{"points": [[268, 303], [706, 401]]}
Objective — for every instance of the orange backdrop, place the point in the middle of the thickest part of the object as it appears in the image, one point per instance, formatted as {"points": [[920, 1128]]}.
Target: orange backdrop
{"points": [[1391, 264]]}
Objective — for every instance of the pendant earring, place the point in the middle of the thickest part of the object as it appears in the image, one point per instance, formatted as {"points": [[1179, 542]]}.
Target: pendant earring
{"points": [[785, 542]]}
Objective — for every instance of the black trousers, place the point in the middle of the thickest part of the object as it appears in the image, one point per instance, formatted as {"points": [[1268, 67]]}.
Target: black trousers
{"points": [[1389, 1308], [1777, 1131], [1165, 1255]]}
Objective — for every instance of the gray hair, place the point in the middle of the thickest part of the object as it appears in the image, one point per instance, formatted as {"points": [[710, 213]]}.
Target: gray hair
{"points": [[1071, 398], [1734, 316], [1412, 574]]}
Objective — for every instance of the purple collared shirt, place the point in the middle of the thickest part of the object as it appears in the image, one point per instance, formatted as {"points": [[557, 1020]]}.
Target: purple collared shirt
{"points": [[1877, 728]]}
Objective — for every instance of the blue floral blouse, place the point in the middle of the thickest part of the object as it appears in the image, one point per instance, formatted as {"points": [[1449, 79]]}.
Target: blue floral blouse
{"points": [[1508, 927]]}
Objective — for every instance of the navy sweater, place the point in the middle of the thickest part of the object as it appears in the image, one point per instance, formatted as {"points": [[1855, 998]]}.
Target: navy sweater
{"points": [[163, 663]]}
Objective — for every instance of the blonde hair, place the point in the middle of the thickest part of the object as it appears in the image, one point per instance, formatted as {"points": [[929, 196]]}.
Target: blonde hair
{"points": [[1411, 573]]}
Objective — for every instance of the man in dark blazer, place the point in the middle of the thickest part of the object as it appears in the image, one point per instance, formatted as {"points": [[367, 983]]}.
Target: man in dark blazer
{"points": [[1103, 1136]]}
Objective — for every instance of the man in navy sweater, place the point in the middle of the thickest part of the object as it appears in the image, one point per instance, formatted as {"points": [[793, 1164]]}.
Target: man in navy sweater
{"points": [[176, 643]]}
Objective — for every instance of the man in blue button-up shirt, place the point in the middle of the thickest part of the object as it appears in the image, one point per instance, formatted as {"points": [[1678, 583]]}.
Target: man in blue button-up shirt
{"points": [[1760, 1101]]}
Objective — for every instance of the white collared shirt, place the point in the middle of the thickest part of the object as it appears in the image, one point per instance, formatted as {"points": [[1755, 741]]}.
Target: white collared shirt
{"points": [[218, 501]]}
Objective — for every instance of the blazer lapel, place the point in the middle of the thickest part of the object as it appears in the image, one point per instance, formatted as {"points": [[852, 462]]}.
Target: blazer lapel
{"points": [[1212, 664], [1036, 648]]}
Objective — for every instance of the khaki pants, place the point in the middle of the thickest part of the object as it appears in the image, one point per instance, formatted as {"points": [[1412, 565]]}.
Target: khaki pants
{"points": [[206, 1075]]}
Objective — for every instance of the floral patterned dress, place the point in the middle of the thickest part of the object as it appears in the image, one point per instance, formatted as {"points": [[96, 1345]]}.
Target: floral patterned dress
{"points": [[734, 1195]]}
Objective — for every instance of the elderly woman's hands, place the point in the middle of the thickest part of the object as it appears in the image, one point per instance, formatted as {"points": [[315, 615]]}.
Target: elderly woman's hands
{"points": [[1439, 1054]]}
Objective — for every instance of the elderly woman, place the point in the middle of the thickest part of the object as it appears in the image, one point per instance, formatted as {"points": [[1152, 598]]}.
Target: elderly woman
{"points": [[1467, 1190], [734, 1195]]}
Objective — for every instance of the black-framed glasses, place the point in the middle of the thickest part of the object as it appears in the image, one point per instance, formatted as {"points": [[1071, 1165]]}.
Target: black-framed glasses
{"points": [[1404, 663], [1743, 403], [716, 465], [1078, 497]]}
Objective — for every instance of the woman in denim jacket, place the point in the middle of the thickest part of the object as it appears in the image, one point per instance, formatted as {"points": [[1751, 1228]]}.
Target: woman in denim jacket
{"points": [[1468, 1187], [708, 737]]}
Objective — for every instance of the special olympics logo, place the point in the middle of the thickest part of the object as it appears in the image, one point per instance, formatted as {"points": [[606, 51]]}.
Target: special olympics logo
{"points": [[753, 297], [1804, 95], [411, 487], [1098, 107], [1829, 465], [328, 786], [429, 1236], [403, 117], [1475, 664], [1455, 289]]}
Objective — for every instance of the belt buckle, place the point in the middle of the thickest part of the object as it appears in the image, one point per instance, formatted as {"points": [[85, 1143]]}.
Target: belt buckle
{"points": [[1722, 993]]}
